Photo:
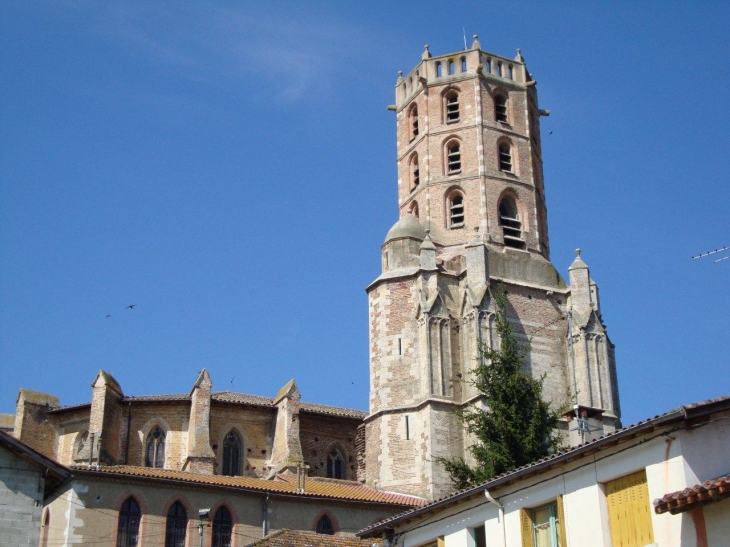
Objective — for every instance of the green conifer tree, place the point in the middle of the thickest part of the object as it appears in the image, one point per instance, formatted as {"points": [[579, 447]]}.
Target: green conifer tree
{"points": [[518, 427]]}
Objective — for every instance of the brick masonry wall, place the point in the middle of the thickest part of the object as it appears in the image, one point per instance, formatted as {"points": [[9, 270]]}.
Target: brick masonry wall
{"points": [[256, 427], [21, 501], [320, 435]]}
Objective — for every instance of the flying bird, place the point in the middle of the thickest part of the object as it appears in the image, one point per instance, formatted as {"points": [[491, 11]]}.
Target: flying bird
{"points": [[108, 315], [130, 307], [550, 133]]}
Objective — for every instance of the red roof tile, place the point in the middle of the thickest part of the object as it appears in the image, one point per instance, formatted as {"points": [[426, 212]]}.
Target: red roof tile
{"points": [[689, 498], [293, 538], [332, 489]]}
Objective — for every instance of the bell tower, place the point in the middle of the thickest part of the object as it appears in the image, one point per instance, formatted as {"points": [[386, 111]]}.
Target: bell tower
{"points": [[469, 153], [472, 215]]}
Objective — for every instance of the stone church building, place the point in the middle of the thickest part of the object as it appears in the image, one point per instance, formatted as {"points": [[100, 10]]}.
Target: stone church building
{"points": [[473, 216]]}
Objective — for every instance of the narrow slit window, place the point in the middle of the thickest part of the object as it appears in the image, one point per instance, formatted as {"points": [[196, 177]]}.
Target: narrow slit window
{"points": [[414, 122], [499, 69], [488, 66], [454, 158], [438, 70], [456, 211], [452, 107], [408, 429], [463, 64], [510, 72], [500, 108], [451, 66], [400, 346], [415, 172], [505, 157]]}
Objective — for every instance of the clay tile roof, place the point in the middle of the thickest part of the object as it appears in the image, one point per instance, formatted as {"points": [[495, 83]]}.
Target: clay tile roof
{"points": [[157, 398], [342, 490], [689, 498], [294, 538], [241, 398], [333, 410]]}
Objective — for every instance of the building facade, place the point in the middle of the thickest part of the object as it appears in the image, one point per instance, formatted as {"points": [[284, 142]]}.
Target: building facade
{"points": [[473, 215], [660, 482]]}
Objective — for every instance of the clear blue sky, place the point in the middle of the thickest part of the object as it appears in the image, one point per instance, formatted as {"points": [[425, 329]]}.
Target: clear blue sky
{"points": [[230, 169]]}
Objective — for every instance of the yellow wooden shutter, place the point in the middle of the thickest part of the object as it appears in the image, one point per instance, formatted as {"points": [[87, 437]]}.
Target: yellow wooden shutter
{"points": [[561, 522], [526, 522], [629, 511]]}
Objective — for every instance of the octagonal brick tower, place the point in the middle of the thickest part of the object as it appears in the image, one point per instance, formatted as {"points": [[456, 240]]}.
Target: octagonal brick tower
{"points": [[472, 215]]}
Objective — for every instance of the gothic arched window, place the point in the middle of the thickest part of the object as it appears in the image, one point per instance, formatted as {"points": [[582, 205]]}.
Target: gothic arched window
{"points": [[324, 526], [335, 465], [222, 527], [505, 157], [177, 523], [509, 219], [155, 450], [451, 103], [500, 108], [128, 526], [232, 452]]}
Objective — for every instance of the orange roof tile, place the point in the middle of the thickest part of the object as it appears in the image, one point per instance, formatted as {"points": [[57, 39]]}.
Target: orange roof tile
{"points": [[294, 538], [689, 498], [332, 489]]}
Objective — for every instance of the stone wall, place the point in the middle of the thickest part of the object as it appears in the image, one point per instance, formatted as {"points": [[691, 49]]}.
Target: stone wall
{"points": [[21, 501]]}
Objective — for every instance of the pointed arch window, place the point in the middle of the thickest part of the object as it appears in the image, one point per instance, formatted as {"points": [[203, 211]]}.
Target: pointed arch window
{"points": [[453, 158], [324, 526], [222, 527], [413, 119], [452, 107], [177, 523], [509, 219], [500, 108], [335, 465], [155, 450], [456, 210], [128, 525], [505, 157], [232, 452]]}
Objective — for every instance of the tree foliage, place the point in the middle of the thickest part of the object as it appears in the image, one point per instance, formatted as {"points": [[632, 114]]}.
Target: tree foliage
{"points": [[518, 427]]}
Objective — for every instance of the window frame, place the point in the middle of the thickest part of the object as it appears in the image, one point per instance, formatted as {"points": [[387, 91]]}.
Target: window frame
{"points": [[505, 157], [501, 111], [512, 226], [452, 157], [556, 522], [227, 459], [413, 122], [157, 444], [334, 458], [452, 108], [455, 210], [222, 537], [128, 523], [176, 525], [325, 526]]}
